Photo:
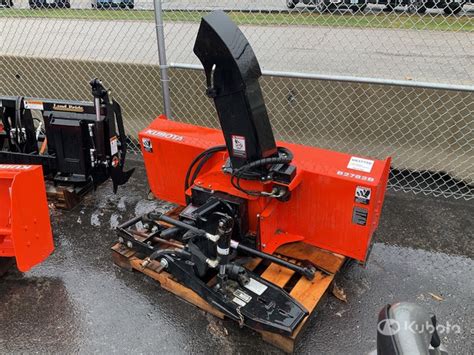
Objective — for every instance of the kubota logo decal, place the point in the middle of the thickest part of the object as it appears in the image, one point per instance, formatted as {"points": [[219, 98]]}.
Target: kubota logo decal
{"points": [[161, 134], [14, 167]]}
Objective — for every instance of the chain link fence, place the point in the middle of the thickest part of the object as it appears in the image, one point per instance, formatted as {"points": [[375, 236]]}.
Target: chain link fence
{"points": [[374, 78]]}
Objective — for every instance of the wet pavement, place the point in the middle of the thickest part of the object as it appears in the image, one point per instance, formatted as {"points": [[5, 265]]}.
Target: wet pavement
{"points": [[79, 302]]}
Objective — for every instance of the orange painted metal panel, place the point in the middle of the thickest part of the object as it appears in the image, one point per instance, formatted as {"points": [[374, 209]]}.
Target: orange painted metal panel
{"points": [[25, 229], [323, 202]]}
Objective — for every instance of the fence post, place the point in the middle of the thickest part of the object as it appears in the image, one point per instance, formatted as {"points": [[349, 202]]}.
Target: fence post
{"points": [[160, 38]]}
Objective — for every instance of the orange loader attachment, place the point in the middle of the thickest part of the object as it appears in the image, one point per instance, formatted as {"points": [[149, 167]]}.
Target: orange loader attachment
{"points": [[25, 229]]}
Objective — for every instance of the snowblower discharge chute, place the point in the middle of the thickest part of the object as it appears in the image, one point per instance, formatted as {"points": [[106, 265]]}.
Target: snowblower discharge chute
{"points": [[25, 230], [244, 194]]}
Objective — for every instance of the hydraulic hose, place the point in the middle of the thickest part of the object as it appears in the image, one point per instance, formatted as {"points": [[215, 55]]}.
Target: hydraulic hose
{"points": [[285, 157]]}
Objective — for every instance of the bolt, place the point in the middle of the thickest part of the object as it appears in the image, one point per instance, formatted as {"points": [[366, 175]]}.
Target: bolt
{"points": [[264, 246], [121, 240], [164, 263], [129, 244]]}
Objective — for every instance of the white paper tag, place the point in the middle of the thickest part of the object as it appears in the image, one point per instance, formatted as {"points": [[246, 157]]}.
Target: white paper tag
{"points": [[113, 145], [33, 105], [256, 287], [360, 164]]}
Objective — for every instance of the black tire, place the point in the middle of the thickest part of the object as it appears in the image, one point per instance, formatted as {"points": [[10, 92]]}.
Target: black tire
{"points": [[122, 5], [322, 7], [67, 5], [421, 9], [131, 6], [358, 8], [33, 5], [418, 6], [453, 8], [291, 3]]}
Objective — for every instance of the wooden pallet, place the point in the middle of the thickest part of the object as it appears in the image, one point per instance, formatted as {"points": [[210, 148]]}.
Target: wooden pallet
{"points": [[308, 293], [66, 197]]}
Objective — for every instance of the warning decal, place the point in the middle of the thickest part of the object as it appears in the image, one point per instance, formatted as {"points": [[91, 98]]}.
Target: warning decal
{"points": [[238, 146], [362, 195], [113, 145], [147, 145], [244, 297], [33, 105]]}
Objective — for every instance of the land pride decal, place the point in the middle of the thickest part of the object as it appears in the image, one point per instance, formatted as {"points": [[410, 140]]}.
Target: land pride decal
{"points": [[68, 108]]}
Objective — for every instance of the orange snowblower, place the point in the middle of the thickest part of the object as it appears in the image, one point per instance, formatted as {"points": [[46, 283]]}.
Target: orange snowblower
{"points": [[243, 194], [25, 230]]}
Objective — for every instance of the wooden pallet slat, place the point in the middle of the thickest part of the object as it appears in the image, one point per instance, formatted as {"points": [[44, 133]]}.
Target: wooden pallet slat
{"points": [[66, 197], [308, 293], [125, 258], [278, 275], [324, 259], [251, 265]]}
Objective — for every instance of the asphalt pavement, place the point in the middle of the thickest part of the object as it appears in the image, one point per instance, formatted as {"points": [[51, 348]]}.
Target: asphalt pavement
{"points": [[79, 302], [232, 5], [432, 56]]}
